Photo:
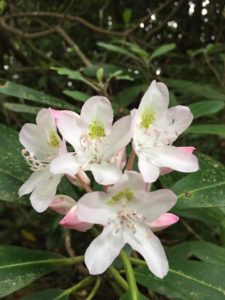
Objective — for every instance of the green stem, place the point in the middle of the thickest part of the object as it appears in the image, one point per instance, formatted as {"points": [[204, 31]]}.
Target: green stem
{"points": [[130, 275], [67, 260], [118, 278], [83, 283], [138, 262], [95, 288]]}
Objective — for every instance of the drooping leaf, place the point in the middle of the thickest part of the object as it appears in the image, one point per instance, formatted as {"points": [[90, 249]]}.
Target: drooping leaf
{"points": [[216, 129], [22, 108], [162, 50], [205, 188], [187, 280], [205, 108], [20, 266], [190, 88], [79, 96], [20, 91]]}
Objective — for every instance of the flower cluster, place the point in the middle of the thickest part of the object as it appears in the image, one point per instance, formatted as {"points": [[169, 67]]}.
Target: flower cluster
{"points": [[128, 212]]}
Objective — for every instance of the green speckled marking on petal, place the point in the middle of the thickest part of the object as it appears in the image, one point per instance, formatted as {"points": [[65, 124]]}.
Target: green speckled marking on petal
{"points": [[53, 140], [147, 117], [96, 130], [126, 194]]}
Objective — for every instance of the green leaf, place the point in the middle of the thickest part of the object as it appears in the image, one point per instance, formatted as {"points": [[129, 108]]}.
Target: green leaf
{"points": [[205, 251], [205, 108], [187, 280], [108, 69], [20, 91], [217, 129], [79, 96], [127, 296], [13, 169], [205, 188], [190, 88], [22, 108], [129, 95], [116, 49], [50, 294], [162, 50], [20, 266]]}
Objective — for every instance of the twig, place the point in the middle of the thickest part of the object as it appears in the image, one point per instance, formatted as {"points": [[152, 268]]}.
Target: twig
{"points": [[73, 45], [131, 160], [84, 185]]}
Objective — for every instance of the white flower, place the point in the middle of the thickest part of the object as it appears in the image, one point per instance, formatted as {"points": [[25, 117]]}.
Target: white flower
{"points": [[99, 146], [154, 128], [42, 144], [127, 212]]}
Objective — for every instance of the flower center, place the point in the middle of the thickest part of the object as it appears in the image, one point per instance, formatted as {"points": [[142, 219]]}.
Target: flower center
{"points": [[96, 130], [126, 194], [147, 117], [53, 140]]}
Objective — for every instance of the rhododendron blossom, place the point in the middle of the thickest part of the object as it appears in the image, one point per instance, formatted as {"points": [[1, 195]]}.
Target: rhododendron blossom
{"points": [[98, 145], [42, 144], [126, 211], [154, 128]]}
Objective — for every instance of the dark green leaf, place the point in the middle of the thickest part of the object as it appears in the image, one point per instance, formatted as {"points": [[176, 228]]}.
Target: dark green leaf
{"points": [[127, 296], [217, 129], [205, 188], [205, 108], [187, 280], [20, 91], [22, 108], [20, 266], [79, 96], [162, 50], [50, 294], [116, 49]]}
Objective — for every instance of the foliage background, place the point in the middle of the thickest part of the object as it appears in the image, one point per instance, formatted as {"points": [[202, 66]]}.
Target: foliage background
{"points": [[116, 48]]}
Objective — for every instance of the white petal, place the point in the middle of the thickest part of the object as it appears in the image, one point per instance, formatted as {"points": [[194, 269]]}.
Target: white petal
{"points": [[106, 173], [34, 139], [31, 183], [149, 171], [45, 120], [119, 137], [92, 208], [174, 158], [156, 97], [68, 163], [173, 123], [152, 205], [131, 180], [43, 194], [99, 109], [150, 247], [103, 250], [71, 127]]}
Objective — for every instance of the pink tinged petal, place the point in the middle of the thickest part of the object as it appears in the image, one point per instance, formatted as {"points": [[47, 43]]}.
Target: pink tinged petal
{"points": [[119, 137], [164, 221], [67, 163], [57, 113], [91, 208], [45, 120], [174, 158], [156, 98], [152, 205], [34, 139], [130, 179], [150, 247], [71, 127], [99, 109], [106, 173], [62, 204], [149, 171], [103, 250], [44, 192], [71, 221], [164, 171]]}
